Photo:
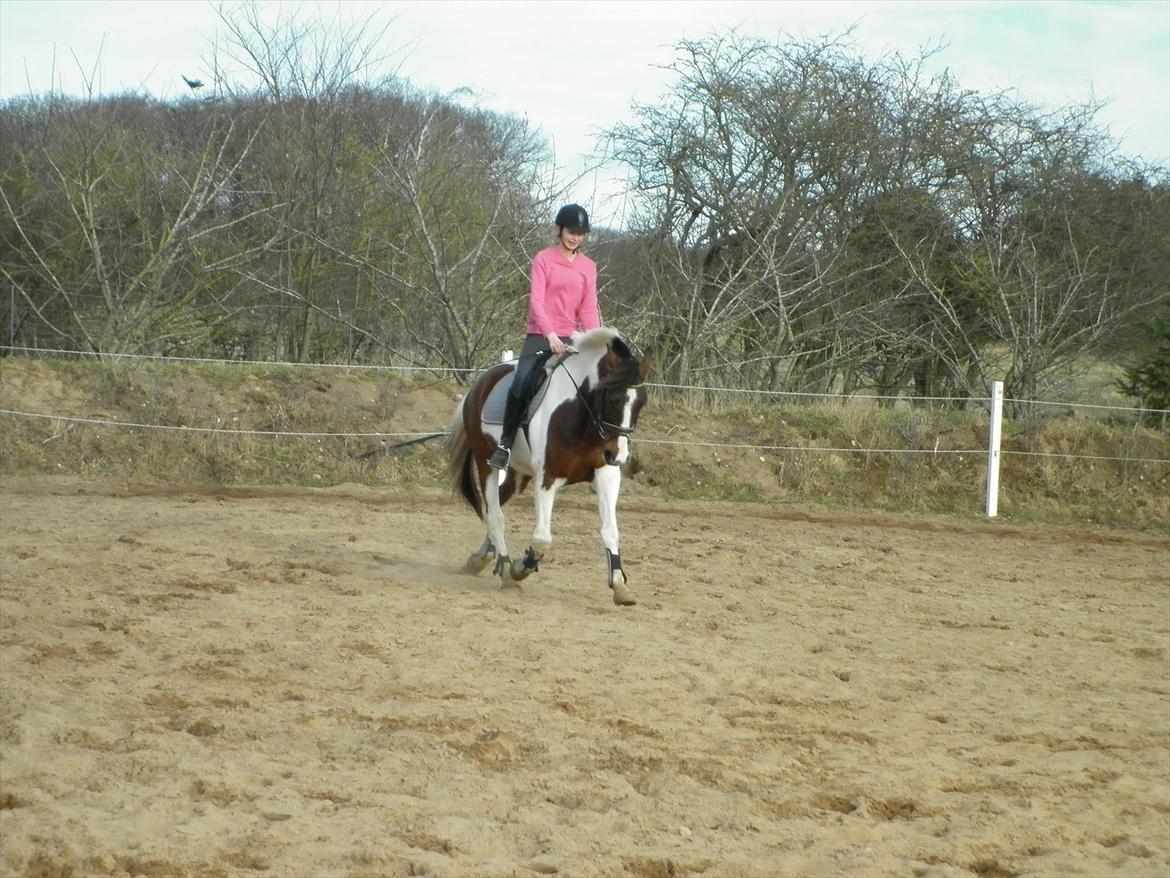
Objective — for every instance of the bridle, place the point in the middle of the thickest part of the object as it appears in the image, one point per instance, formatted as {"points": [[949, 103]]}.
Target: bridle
{"points": [[603, 426], [605, 429]]}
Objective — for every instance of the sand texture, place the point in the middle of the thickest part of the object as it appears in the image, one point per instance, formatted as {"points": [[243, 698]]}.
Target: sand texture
{"points": [[298, 682]]}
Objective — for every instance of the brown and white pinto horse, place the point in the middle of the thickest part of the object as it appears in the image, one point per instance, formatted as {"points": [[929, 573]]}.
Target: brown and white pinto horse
{"points": [[578, 431]]}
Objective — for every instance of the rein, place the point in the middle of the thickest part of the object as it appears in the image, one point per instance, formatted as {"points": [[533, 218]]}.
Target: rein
{"points": [[604, 428]]}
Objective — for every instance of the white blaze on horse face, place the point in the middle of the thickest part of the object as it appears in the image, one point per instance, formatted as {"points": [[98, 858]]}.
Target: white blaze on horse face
{"points": [[623, 442]]}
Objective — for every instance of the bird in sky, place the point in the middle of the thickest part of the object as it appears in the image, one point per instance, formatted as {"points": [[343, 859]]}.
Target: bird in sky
{"points": [[192, 83]]}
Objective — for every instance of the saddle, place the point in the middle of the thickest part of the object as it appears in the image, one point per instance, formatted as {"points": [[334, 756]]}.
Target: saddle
{"points": [[493, 407]]}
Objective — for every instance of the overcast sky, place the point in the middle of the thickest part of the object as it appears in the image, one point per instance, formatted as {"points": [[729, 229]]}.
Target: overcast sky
{"points": [[573, 68]]}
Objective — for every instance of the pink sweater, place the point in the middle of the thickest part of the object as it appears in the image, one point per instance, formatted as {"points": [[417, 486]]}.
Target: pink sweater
{"points": [[563, 295]]}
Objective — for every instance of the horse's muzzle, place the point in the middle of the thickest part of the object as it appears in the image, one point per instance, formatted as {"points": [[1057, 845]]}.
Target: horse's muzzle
{"points": [[617, 450]]}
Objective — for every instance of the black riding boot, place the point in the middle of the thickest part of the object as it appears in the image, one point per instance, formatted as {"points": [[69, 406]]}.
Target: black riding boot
{"points": [[513, 409]]}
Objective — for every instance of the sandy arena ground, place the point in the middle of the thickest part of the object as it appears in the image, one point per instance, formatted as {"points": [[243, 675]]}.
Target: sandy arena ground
{"points": [[301, 683]]}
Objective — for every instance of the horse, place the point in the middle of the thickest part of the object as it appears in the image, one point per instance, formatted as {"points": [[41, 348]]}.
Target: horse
{"points": [[576, 429]]}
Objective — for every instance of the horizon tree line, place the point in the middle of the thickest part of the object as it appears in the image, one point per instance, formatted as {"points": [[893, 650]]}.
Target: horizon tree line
{"points": [[803, 219]]}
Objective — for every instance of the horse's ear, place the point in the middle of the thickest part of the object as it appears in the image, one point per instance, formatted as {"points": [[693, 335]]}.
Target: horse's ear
{"points": [[645, 364]]}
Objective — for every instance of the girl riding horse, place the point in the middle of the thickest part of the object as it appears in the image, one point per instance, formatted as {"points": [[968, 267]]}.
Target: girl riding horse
{"points": [[579, 432]]}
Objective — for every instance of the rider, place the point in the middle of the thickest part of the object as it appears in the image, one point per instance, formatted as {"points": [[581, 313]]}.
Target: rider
{"points": [[562, 297]]}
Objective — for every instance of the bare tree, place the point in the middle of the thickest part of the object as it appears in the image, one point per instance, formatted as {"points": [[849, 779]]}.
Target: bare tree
{"points": [[456, 271], [309, 84], [752, 167], [104, 228], [811, 219]]}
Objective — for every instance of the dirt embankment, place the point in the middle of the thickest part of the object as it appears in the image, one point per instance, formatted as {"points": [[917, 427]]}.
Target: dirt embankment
{"points": [[779, 454]]}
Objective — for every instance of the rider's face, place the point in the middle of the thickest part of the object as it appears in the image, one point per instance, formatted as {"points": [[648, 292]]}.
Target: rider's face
{"points": [[572, 240]]}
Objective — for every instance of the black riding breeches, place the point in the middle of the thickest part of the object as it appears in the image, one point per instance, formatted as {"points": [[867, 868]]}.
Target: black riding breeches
{"points": [[522, 383], [533, 345]]}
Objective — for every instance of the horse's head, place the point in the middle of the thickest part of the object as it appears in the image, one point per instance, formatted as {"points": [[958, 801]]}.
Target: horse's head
{"points": [[618, 399]]}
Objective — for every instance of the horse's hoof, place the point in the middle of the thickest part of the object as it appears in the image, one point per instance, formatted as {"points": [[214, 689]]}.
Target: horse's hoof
{"points": [[476, 563], [504, 571], [519, 572], [623, 595]]}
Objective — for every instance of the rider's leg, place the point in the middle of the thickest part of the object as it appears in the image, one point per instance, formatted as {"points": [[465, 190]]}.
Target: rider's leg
{"points": [[518, 396], [513, 410], [517, 400]]}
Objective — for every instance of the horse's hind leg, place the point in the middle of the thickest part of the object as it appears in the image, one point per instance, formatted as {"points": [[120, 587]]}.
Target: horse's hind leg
{"points": [[607, 481], [524, 567], [480, 559], [494, 516]]}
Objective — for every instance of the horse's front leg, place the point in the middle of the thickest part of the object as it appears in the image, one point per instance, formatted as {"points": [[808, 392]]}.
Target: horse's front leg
{"points": [[543, 499], [607, 481]]}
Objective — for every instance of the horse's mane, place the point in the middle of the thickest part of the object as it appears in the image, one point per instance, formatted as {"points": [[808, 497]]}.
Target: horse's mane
{"points": [[594, 341], [594, 344]]}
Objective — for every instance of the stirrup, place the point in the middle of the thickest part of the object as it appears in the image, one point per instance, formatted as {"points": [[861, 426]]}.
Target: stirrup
{"points": [[500, 458]]}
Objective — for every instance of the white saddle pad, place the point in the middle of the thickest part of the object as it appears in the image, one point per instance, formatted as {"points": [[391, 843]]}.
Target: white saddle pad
{"points": [[493, 407]]}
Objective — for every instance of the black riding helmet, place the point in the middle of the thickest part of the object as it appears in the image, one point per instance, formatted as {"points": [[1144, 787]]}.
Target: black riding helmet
{"points": [[574, 218]]}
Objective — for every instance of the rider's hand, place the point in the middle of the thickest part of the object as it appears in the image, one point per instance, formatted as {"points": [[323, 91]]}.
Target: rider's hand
{"points": [[554, 343]]}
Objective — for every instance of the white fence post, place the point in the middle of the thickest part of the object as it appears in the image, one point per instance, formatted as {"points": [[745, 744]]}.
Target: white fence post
{"points": [[993, 440]]}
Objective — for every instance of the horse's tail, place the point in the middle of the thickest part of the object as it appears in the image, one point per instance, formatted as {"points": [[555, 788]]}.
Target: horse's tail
{"points": [[460, 465]]}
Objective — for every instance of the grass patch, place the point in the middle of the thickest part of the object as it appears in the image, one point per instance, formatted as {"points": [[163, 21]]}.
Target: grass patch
{"points": [[851, 453]]}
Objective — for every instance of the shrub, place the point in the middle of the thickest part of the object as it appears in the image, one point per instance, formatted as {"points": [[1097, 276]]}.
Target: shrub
{"points": [[1149, 381]]}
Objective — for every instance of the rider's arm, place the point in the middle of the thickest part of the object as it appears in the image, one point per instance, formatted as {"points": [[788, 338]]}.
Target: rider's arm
{"points": [[537, 295], [537, 291]]}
